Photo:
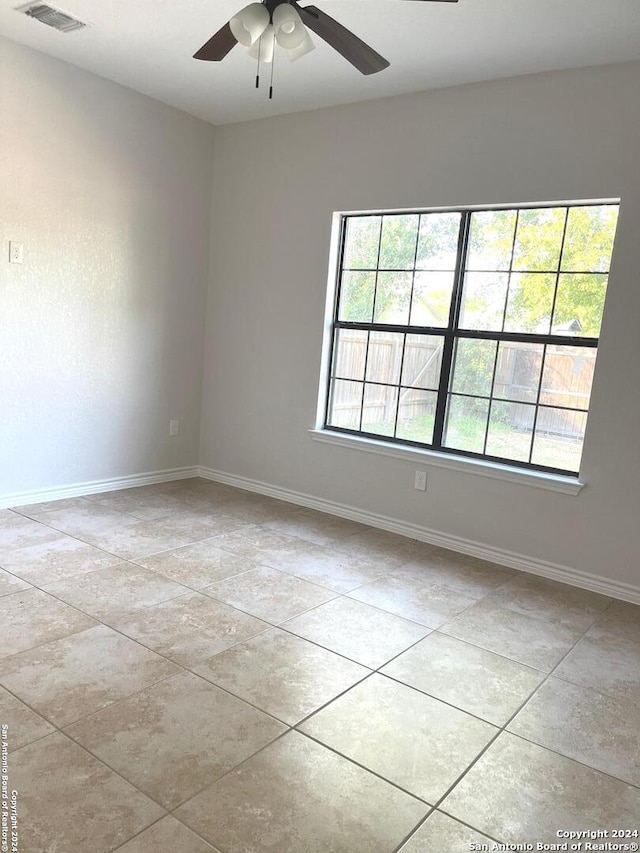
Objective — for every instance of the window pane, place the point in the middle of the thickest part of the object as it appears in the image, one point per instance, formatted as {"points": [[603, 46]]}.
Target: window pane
{"points": [[579, 305], [416, 415], [431, 301], [530, 302], [422, 361], [589, 240], [361, 242], [491, 239], [438, 241], [356, 296], [518, 371], [393, 294], [483, 301], [558, 439], [385, 355], [539, 239], [510, 431], [345, 404], [466, 423], [350, 354], [398, 243], [473, 367], [567, 377], [379, 411]]}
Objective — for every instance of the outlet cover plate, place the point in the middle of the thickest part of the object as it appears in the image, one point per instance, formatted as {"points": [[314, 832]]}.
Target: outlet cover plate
{"points": [[16, 252], [420, 481]]}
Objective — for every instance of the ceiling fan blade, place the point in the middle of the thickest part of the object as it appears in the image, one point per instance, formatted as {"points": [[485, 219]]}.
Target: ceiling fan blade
{"points": [[354, 50], [218, 46]]}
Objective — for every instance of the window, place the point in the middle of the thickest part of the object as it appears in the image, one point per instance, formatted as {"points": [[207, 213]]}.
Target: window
{"points": [[471, 332]]}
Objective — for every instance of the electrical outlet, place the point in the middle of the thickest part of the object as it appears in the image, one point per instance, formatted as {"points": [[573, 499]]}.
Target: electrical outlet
{"points": [[420, 481], [16, 252], [174, 428]]}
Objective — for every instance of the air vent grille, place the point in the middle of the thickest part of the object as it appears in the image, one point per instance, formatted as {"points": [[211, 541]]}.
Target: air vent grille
{"points": [[52, 17]]}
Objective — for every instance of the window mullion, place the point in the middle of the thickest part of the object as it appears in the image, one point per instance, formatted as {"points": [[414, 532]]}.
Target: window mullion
{"points": [[404, 339], [504, 318], [449, 335], [336, 314], [373, 315]]}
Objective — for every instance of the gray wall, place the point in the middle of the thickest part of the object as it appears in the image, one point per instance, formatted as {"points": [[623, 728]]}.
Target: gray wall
{"points": [[558, 136], [101, 329]]}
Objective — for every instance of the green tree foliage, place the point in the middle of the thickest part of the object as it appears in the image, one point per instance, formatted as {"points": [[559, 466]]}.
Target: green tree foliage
{"points": [[528, 243], [536, 244], [473, 368], [396, 244]]}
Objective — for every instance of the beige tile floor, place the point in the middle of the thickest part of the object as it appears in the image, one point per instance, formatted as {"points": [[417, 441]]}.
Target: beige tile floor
{"points": [[188, 668]]}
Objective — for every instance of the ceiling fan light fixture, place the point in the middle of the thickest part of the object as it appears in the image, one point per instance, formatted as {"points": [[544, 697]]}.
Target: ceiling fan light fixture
{"points": [[250, 24], [289, 30], [307, 46], [262, 50]]}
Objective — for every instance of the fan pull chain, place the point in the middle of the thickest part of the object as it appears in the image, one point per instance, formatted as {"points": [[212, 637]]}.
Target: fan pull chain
{"points": [[258, 68], [273, 62]]}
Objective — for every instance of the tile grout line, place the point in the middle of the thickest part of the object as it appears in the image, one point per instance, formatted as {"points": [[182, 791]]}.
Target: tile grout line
{"points": [[139, 833], [419, 824], [337, 752], [575, 760], [228, 771], [433, 811], [171, 816], [290, 726]]}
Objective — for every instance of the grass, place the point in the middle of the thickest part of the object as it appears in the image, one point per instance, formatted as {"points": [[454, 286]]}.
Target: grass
{"points": [[505, 442]]}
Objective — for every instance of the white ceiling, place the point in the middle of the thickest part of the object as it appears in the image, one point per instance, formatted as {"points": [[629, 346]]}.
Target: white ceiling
{"points": [[148, 44]]}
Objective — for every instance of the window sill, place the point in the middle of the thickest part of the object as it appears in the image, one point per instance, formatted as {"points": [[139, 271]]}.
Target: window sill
{"points": [[483, 468]]}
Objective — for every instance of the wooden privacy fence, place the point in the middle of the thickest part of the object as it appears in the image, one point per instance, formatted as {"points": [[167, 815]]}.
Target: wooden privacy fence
{"points": [[566, 381]]}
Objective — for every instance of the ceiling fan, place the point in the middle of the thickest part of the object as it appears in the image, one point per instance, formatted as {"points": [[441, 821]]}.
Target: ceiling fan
{"points": [[260, 26]]}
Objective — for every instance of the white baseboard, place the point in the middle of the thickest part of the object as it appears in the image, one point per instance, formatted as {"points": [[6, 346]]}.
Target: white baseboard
{"points": [[554, 571], [93, 487]]}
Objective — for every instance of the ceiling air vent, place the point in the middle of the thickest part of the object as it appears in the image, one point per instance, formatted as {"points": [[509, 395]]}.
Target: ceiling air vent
{"points": [[51, 17]]}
